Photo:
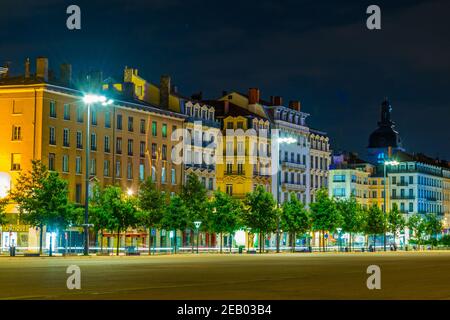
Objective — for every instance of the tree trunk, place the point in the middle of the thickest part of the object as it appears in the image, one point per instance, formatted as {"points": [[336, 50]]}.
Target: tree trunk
{"points": [[51, 244], [175, 241], [118, 241], [101, 243], [294, 242], [323, 240], [41, 231], [231, 242], [374, 243], [221, 239], [260, 242]]}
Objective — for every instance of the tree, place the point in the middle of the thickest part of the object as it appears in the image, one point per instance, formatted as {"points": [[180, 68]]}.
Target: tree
{"points": [[376, 222], [260, 213], [151, 203], [433, 226], [25, 195], [176, 217], [42, 197], [195, 197], [324, 214], [121, 210], [417, 224], [3, 219], [352, 215], [395, 220], [224, 214], [295, 218], [99, 215]]}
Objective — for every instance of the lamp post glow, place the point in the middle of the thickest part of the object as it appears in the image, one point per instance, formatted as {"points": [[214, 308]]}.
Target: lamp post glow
{"points": [[197, 226], [385, 164], [281, 140], [88, 100]]}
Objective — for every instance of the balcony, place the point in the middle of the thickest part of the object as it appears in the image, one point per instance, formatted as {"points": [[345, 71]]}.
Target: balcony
{"points": [[402, 197], [200, 166], [402, 184], [293, 165], [293, 186], [235, 173]]}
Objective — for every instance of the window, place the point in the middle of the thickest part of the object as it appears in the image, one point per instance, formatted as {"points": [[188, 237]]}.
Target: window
{"points": [[107, 119], [411, 179], [52, 109], [93, 117], [411, 207], [163, 175], [153, 174], [16, 133], [65, 163], [51, 161], [154, 129], [119, 122], [93, 142], [118, 169], [240, 168], [119, 145], [130, 147], [16, 159], [229, 189], [93, 166], [164, 152], [66, 111], [211, 184], [154, 150], [129, 171], [107, 146], [52, 139], [142, 149], [66, 137], [240, 125], [80, 114], [230, 125], [174, 176], [164, 130], [130, 124], [339, 178], [78, 193], [79, 140], [229, 168], [141, 171], [106, 168], [142, 126], [78, 165], [339, 192]]}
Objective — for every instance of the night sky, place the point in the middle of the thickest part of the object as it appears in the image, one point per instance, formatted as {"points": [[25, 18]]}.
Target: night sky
{"points": [[319, 52]]}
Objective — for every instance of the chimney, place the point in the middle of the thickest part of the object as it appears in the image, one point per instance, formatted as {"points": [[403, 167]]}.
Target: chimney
{"points": [[276, 100], [226, 106], [164, 91], [66, 74], [42, 68], [253, 95], [295, 105], [27, 68]]}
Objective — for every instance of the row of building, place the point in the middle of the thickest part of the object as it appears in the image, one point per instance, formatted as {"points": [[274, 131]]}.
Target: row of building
{"points": [[233, 143], [390, 176]]}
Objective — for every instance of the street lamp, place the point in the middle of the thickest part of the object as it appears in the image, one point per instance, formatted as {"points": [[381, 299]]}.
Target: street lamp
{"points": [[281, 140], [385, 164], [197, 226], [339, 238], [89, 99]]}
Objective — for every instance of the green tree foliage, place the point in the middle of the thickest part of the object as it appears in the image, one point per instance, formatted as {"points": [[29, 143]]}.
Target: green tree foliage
{"points": [[176, 217], [324, 214], [395, 220], [195, 198], [42, 198], [353, 217], [119, 210], [260, 213], [3, 219], [225, 214], [433, 226], [376, 222], [295, 218], [418, 226], [151, 204]]}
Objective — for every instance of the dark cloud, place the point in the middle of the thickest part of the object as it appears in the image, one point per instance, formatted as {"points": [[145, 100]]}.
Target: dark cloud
{"points": [[317, 51]]}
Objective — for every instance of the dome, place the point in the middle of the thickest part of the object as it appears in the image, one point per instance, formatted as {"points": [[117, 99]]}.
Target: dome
{"points": [[385, 135]]}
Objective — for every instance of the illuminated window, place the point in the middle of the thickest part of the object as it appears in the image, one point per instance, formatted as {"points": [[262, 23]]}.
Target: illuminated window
{"points": [[66, 137], [154, 129], [51, 161], [106, 168], [79, 140], [129, 171], [78, 165], [65, 163], [174, 176], [164, 130], [141, 171], [107, 119], [130, 124]]}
